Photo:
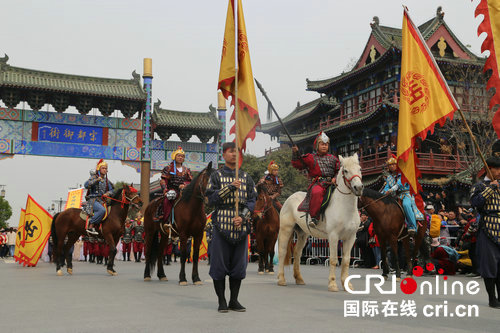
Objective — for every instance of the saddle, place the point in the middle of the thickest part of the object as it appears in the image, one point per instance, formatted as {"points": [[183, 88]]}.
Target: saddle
{"points": [[85, 215]]}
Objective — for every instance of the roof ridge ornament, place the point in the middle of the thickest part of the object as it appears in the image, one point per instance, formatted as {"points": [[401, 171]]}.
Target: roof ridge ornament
{"points": [[157, 103], [375, 23], [135, 76], [440, 13], [4, 59]]}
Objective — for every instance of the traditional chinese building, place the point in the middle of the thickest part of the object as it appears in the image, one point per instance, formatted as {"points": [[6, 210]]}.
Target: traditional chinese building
{"points": [[358, 109]]}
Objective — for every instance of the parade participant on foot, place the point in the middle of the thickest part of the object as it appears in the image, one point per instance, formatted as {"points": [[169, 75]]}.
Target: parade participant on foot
{"points": [[127, 240], [229, 246], [174, 177], [138, 238], [273, 184], [322, 168], [486, 198], [98, 186], [393, 185]]}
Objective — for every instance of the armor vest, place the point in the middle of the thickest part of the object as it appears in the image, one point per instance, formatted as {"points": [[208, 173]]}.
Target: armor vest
{"points": [[326, 164]]}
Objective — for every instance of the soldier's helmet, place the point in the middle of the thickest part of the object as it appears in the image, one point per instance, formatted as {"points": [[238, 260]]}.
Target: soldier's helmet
{"points": [[494, 160]]}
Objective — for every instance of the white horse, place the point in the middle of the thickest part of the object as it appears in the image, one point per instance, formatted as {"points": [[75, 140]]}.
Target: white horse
{"points": [[341, 221]]}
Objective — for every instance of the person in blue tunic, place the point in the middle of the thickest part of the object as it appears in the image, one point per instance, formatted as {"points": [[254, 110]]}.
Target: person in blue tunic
{"points": [[98, 185], [394, 185], [229, 245]]}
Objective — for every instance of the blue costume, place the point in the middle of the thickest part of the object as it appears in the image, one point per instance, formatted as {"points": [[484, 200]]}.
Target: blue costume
{"points": [[393, 183], [95, 190]]}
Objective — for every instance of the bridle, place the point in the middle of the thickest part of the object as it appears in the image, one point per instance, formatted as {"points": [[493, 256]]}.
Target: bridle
{"points": [[125, 200], [266, 207], [347, 182]]}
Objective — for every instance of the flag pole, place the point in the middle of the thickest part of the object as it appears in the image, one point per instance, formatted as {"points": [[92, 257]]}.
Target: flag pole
{"points": [[237, 140], [488, 171]]}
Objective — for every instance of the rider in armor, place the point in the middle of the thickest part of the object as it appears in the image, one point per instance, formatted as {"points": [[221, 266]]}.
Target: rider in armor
{"points": [[394, 185], [127, 240], [174, 177], [322, 169], [98, 186], [273, 184]]}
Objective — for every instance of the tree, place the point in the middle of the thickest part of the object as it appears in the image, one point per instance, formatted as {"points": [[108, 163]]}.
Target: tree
{"points": [[469, 90], [292, 178], [5, 213]]}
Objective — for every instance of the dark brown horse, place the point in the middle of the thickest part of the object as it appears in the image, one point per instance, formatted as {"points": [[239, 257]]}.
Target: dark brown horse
{"points": [[190, 220], [388, 224], [266, 225], [69, 223]]}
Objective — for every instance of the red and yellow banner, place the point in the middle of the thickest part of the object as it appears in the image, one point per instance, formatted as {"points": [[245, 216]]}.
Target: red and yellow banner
{"points": [[491, 25], [425, 99], [32, 234], [248, 114], [74, 198]]}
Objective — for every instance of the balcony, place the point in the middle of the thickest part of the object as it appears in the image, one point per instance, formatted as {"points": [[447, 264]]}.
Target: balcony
{"points": [[428, 163]]}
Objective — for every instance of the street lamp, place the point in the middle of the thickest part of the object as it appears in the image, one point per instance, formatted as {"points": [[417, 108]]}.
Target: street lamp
{"points": [[2, 192]]}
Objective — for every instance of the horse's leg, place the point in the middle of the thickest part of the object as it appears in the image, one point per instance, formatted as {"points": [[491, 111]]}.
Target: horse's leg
{"points": [[346, 260], [110, 240], [383, 254], [395, 252], [271, 254], [333, 241], [72, 237], [260, 249], [409, 258], [182, 274], [196, 254], [284, 236], [159, 259], [297, 253], [149, 238]]}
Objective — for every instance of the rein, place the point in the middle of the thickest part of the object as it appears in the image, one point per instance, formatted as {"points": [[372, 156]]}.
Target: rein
{"points": [[124, 199], [347, 183], [382, 197]]}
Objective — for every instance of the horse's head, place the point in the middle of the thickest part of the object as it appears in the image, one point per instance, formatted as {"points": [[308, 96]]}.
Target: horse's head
{"points": [[262, 203], [350, 171], [131, 196], [199, 185], [205, 177]]}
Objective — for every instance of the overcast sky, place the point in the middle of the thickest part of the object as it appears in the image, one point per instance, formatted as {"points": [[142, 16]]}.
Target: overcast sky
{"points": [[289, 41]]}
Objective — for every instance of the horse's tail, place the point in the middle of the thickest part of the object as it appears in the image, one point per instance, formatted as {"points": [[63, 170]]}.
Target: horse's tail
{"points": [[154, 252], [53, 233], [289, 251]]}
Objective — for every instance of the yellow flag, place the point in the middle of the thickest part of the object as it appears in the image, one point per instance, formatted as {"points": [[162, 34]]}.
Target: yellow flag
{"points": [[425, 99], [32, 234], [74, 199], [491, 25], [204, 244], [248, 114]]}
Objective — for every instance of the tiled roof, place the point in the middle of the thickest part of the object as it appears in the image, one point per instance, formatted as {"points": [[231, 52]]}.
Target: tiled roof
{"points": [[186, 120], [17, 77]]}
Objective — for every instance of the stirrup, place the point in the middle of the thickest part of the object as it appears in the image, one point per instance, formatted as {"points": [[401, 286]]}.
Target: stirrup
{"points": [[92, 231], [313, 223]]}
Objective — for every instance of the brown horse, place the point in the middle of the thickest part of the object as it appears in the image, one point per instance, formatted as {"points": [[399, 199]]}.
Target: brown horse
{"points": [[190, 220], [388, 224], [266, 225], [69, 223]]}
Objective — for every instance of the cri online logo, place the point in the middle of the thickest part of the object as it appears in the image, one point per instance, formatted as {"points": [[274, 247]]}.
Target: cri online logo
{"points": [[409, 285]]}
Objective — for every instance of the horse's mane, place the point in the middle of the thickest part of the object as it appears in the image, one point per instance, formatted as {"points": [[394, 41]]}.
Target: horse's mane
{"points": [[350, 161], [369, 193], [188, 191], [117, 196]]}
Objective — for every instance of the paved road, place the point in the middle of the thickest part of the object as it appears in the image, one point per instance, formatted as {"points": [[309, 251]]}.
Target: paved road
{"points": [[36, 300]]}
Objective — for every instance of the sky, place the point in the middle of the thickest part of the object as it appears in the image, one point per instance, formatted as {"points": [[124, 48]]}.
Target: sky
{"points": [[289, 41]]}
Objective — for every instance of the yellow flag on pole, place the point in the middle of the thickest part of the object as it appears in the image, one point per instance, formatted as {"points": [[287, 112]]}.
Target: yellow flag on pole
{"points": [[491, 25], [425, 99], [32, 234], [74, 198], [248, 114]]}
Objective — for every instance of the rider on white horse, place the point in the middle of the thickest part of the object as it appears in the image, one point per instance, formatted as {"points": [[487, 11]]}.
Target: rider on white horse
{"points": [[322, 169]]}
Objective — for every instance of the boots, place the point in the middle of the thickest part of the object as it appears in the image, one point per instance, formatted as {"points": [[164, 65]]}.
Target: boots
{"points": [[135, 256], [490, 288], [234, 286], [128, 256], [220, 286], [124, 256]]}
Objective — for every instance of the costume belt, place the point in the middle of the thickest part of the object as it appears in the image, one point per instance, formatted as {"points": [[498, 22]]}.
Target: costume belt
{"points": [[321, 179]]}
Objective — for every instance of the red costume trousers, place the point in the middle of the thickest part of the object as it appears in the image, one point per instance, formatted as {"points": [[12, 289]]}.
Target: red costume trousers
{"points": [[317, 193], [138, 246], [126, 247], [167, 209]]}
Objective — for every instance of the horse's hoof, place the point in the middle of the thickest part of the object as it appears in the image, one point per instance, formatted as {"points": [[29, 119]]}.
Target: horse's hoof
{"points": [[300, 282], [164, 278], [398, 279], [59, 272], [267, 271], [112, 273], [198, 283], [260, 273], [183, 283], [385, 277], [333, 288], [350, 286], [147, 279], [270, 273], [70, 271], [281, 283]]}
